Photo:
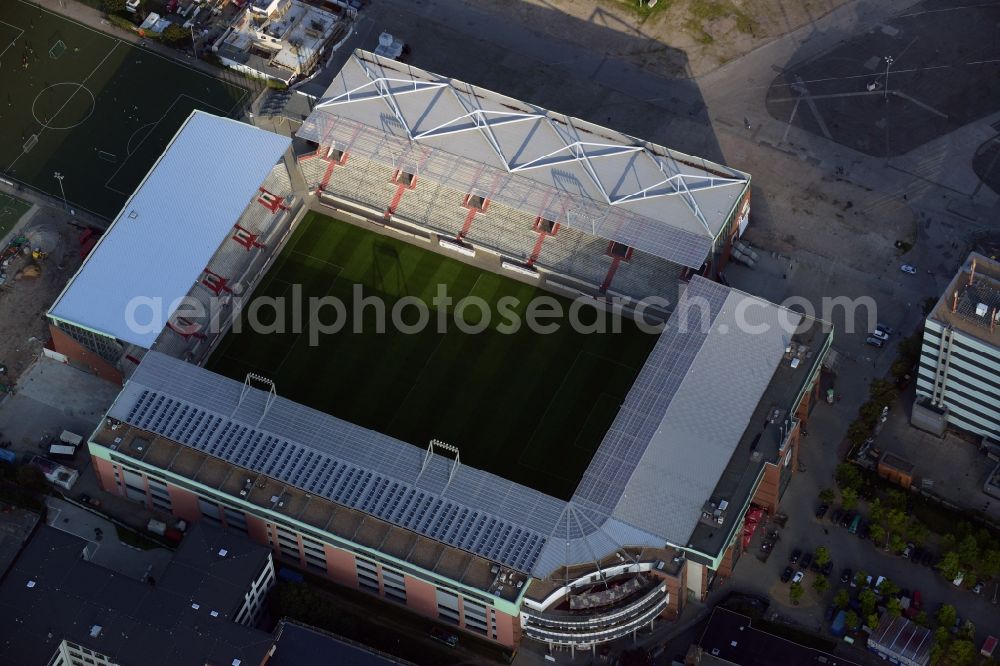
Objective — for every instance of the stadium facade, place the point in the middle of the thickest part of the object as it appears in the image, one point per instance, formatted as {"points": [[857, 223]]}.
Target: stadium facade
{"points": [[705, 440]]}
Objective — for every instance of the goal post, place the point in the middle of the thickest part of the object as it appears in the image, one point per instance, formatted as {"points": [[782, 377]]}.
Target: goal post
{"points": [[57, 49]]}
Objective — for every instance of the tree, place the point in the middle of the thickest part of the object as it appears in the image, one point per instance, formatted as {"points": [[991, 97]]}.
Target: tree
{"points": [[896, 544], [888, 588], [826, 495], [175, 34], [894, 607], [849, 497], [877, 533], [842, 599], [876, 512], [860, 577], [896, 520], [896, 499], [950, 565], [961, 653], [967, 630], [868, 601], [940, 645], [848, 476], [989, 564], [821, 584], [795, 593], [946, 616], [968, 551], [852, 619], [822, 556], [114, 6], [922, 619], [872, 620]]}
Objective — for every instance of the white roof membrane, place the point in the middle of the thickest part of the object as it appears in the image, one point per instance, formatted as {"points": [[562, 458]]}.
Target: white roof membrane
{"points": [[170, 228]]}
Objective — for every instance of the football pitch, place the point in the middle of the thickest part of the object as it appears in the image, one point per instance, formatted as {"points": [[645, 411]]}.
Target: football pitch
{"points": [[11, 210], [91, 108], [527, 406]]}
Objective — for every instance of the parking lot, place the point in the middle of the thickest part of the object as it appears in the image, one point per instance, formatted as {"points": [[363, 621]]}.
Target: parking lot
{"points": [[803, 531]]}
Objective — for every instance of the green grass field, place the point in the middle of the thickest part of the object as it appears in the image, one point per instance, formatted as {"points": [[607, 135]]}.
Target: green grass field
{"points": [[529, 407], [99, 111], [11, 210]]}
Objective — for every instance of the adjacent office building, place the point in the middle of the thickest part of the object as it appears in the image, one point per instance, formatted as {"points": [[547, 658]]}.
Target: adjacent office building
{"points": [[958, 383]]}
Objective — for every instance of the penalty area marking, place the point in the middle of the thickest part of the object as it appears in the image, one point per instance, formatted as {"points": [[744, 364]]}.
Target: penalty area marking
{"points": [[128, 145]]}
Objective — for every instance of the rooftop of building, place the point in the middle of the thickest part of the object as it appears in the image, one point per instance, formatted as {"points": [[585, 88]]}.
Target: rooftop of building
{"points": [[902, 639], [299, 645], [52, 594], [474, 140], [731, 637], [169, 229], [297, 30], [971, 303], [16, 525], [764, 433], [319, 513]]}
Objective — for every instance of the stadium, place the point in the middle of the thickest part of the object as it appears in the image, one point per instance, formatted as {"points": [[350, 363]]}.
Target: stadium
{"points": [[570, 488]]}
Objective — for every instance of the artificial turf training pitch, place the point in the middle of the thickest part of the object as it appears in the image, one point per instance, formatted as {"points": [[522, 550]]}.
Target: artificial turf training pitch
{"points": [[90, 107], [526, 406]]}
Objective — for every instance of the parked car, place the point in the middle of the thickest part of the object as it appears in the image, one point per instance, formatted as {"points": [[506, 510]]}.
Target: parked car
{"points": [[846, 519], [855, 524], [827, 568], [908, 551], [865, 531], [927, 559], [978, 589], [874, 342], [796, 554], [836, 516], [846, 576], [831, 610], [821, 510], [807, 558], [958, 579], [797, 578], [880, 335], [907, 268], [882, 328], [918, 554], [786, 575]]}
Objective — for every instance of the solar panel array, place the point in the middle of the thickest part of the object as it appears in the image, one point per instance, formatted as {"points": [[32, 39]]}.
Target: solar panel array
{"points": [[647, 401], [323, 475]]}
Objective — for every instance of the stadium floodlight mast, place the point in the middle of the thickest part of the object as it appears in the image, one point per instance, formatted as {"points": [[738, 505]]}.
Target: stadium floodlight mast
{"points": [[438, 444], [58, 176], [888, 63]]}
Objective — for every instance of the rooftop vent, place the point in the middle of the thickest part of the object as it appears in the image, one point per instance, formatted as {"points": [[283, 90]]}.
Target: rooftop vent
{"points": [[196, 606], [795, 362], [214, 613], [95, 631], [223, 552], [981, 309], [31, 583]]}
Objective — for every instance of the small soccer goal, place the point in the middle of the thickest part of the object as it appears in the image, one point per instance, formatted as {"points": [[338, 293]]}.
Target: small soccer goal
{"points": [[57, 49]]}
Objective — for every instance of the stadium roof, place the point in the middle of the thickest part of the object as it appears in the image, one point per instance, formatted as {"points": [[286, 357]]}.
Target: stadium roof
{"points": [[474, 140], [646, 486], [170, 227], [668, 447]]}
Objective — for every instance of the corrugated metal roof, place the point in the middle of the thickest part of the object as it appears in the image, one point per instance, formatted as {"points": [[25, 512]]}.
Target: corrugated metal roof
{"points": [[169, 229], [474, 140]]}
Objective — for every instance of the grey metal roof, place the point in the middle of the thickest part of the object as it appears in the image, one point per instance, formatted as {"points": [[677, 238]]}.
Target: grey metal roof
{"points": [[328, 457], [646, 485], [169, 228], [662, 458], [588, 177]]}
